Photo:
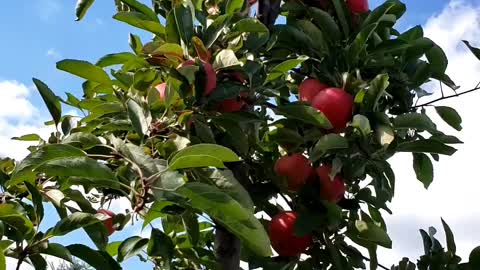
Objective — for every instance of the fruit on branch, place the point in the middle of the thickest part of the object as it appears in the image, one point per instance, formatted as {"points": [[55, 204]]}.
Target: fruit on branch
{"points": [[309, 88], [282, 235], [210, 75], [296, 168], [336, 105], [161, 90], [332, 190], [232, 105], [358, 6], [108, 223]]}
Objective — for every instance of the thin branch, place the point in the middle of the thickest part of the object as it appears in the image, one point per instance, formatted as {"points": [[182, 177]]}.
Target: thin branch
{"points": [[381, 266], [447, 97]]}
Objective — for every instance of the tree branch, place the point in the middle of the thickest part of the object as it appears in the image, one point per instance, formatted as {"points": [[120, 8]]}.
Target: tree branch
{"points": [[227, 249], [447, 97]]}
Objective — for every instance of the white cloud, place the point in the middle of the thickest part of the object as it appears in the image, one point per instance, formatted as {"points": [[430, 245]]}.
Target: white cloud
{"points": [[53, 53], [18, 116], [455, 188]]}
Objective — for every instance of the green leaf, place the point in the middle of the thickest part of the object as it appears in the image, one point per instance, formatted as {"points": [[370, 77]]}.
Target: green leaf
{"points": [[450, 238], [375, 91], [475, 51], [10, 215], [49, 98], [202, 155], [326, 23], [116, 59], [140, 20], [249, 25], [82, 7], [372, 233], [437, 59], [284, 67], [36, 200], [58, 251], [474, 258], [160, 245], [28, 138], [184, 17], [24, 170], [68, 123], [389, 7], [112, 248], [326, 143], [215, 29], [341, 10], [135, 43], [155, 212], [139, 116], [423, 168], [3, 263], [450, 116], [226, 181], [146, 10], [190, 222], [426, 146], [233, 6], [72, 222], [361, 123], [226, 58], [131, 247], [76, 166], [414, 121], [85, 70], [360, 43], [304, 113], [82, 139], [230, 214], [96, 259], [38, 262]]}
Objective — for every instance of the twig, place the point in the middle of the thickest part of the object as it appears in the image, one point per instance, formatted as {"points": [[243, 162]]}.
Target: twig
{"points": [[381, 266], [447, 97]]}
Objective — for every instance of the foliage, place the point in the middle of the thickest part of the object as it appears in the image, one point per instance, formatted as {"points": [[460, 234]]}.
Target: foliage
{"points": [[178, 158]]}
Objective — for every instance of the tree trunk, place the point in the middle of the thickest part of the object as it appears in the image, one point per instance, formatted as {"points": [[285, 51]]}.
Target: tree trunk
{"points": [[227, 249]]}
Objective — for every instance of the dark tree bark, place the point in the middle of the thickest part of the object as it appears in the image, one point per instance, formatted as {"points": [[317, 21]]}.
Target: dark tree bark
{"points": [[227, 249]]}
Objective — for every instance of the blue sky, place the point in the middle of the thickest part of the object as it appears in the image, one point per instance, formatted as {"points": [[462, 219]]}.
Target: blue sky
{"points": [[38, 34]]}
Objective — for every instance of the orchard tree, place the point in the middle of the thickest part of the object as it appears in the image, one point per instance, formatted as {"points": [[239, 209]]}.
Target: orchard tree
{"points": [[239, 133]]}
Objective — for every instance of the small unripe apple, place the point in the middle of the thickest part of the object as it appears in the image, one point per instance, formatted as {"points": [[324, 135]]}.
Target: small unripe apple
{"points": [[309, 88], [332, 190], [108, 223], [282, 235], [336, 105], [358, 6], [210, 75], [296, 168], [161, 90]]}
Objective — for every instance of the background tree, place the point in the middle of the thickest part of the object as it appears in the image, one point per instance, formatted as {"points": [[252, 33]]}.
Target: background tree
{"points": [[223, 122]]}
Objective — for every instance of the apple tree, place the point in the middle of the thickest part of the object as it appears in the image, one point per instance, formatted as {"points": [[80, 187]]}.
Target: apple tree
{"points": [[241, 126]]}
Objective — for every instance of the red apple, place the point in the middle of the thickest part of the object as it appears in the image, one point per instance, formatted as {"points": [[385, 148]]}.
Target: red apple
{"points": [[358, 6], [210, 75], [296, 168], [161, 90], [336, 105], [232, 105], [109, 221], [282, 235], [309, 88], [331, 190]]}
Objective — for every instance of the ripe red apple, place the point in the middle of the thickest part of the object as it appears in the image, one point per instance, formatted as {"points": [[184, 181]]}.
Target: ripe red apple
{"points": [[161, 90], [309, 88], [282, 235], [211, 76], [109, 221], [296, 168], [336, 105], [331, 190], [358, 6], [232, 105]]}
